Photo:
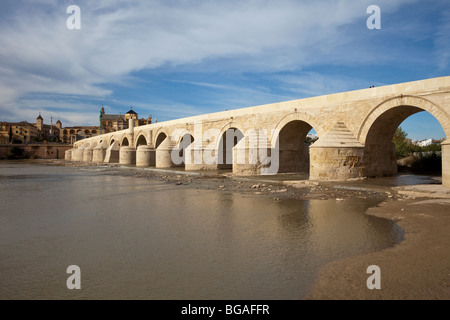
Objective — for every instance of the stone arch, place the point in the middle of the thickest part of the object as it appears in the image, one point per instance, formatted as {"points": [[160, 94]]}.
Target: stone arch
{"points": [[404, 101], [224, 129], [112, 139], [184, 140], [223, 152], [289, 138], [125, 142], [379, 126], [141, 140], [159, 137], [296, 116]]}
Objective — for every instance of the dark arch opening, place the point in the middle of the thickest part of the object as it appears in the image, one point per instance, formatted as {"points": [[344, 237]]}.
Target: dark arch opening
{"points": [[125, 142], [380, 158], [294, 141], [161, 137], [228, 141], [141, 141], [185, 142]]}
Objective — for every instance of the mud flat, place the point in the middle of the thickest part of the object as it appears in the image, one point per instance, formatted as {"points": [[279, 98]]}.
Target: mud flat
{"points": [[416, 268]]}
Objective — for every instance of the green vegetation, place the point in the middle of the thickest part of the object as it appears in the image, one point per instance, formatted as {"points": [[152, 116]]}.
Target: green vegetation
{"points": [[15, 153], [428, 164], [404, 147], [421, 159]]}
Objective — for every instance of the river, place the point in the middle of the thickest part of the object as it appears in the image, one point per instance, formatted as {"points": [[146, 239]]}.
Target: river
{"points": [[135, 238]]}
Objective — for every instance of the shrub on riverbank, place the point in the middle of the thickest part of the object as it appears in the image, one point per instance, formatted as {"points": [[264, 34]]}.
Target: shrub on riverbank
{"points": [[422, 163], [15, 153]]}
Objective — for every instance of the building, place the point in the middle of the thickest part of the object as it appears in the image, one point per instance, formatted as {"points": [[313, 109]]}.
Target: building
{"points": [[72, 134], [47, 131], [25, 132], [17, 132], [116, 122]]}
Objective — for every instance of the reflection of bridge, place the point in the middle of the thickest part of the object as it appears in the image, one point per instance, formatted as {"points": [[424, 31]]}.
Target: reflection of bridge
{"points": [[355, 132]]}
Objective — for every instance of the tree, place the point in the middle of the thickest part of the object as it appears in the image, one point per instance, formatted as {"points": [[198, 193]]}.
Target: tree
{"points": [[402, 144]]}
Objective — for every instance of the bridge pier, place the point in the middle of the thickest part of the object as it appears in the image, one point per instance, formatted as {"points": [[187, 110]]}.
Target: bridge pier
{"points": [[145, 156], [112, 153], [337, 155], [334, 163], [77, 154], [88, 153], [99, 153], [163, 154], [127, 155], [253, 155], [199, 159], [68, 154], [446, 163]]}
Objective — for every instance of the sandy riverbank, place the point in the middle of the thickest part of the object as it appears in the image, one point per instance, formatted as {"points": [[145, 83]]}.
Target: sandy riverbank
{"points": [[416, 268]]}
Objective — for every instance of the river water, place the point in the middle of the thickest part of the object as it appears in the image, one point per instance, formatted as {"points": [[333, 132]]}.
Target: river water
{"points": [[134, 238]]}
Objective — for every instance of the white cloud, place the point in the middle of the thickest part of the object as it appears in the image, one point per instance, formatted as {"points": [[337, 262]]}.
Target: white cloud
{"points": [[39, 54]]}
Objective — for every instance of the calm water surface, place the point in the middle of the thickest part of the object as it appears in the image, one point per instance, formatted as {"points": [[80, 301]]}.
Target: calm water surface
{"points": [[135, 238]]}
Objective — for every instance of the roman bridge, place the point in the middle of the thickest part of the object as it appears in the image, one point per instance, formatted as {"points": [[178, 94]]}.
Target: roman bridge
{"points": [[355, 132]]}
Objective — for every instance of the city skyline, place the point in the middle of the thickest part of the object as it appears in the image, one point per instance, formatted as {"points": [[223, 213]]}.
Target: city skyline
{"points": [[178, 59]]}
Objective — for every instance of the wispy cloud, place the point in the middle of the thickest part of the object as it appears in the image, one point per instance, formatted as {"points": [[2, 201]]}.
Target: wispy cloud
{"points": [[120, 39]]}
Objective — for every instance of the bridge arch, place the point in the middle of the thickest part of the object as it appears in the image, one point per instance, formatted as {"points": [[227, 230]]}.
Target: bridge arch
{"points": [[160, 136], [111, 141], [409, 103], [125, 141], [185, 139], [379, 126], [274, 135], [224, 147], [289, 137], [141, 140]]}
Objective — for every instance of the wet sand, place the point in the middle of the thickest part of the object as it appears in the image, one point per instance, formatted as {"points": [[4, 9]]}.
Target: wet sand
{"points": [[416, 268]]}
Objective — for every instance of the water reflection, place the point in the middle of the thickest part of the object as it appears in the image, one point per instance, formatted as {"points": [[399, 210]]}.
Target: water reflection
{"points": [[140, 239]]}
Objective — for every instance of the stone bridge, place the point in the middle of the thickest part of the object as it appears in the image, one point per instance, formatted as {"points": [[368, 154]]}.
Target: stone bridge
{"points": [[355, 132]]}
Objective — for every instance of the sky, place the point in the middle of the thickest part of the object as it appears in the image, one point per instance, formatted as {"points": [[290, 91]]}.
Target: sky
{"points": [[179, 58]]}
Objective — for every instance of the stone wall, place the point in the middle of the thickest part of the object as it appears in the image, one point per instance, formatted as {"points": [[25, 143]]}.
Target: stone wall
{"points": [[38, 151]]}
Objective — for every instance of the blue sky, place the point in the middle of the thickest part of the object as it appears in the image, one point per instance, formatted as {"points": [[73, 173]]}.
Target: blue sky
{"points": [[179, 58]]}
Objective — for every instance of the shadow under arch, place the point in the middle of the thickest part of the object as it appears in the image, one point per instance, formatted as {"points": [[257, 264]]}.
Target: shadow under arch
{"points": [[141, 141], [160, 137], [290, 138], [229, 137], [125, 142], [379, 128], [419, 103]]}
